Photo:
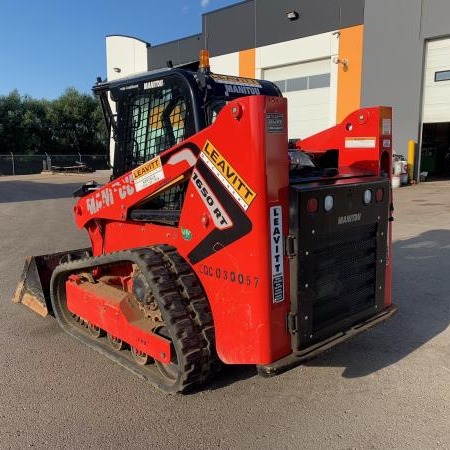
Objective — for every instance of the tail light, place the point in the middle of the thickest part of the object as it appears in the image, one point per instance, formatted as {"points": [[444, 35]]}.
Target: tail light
{"points": [[312, 206], [379, 194]]}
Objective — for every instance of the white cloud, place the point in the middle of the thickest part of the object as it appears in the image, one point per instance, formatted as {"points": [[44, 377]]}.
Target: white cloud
{"points": [[204, 3], [185, 9]]}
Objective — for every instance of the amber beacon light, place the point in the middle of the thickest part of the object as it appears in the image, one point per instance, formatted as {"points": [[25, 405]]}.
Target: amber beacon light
{"points": [[204, 60]]}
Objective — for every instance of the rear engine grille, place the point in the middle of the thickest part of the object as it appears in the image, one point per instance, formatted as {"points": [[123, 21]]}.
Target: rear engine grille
{"points": [[344, 274]]}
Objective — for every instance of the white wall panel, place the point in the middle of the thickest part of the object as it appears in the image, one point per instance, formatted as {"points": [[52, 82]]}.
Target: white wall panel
{"points": [[309, 111], [127, 54], [436, 101], [225, 64]]}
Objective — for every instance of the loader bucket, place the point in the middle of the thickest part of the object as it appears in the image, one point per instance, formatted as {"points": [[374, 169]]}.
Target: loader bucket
{"points": [[33, 289]]}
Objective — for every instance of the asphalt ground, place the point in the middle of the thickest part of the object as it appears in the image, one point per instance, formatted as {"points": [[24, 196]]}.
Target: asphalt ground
{"points": [[388, 388]]}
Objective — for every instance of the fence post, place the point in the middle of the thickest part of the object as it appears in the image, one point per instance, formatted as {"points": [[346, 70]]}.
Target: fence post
{"points": [[49, 161], [79, 154], [13, 167]]}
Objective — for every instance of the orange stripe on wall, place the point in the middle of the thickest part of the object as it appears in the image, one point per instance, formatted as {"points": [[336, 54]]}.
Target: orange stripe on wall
{"points": [[247, 63], [349, 79]]}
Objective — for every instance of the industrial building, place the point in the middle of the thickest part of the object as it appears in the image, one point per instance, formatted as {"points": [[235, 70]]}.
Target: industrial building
{"points": [[329, 57]]}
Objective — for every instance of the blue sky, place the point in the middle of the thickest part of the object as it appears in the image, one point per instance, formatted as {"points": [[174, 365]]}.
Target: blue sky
{"points": [[49, 45]]}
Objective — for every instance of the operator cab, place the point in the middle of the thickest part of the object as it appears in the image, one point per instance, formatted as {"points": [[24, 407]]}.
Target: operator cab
{"points": [[158, 110]]}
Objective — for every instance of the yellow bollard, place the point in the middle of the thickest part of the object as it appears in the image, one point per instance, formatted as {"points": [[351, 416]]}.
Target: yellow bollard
{"points": [[411, 158]]}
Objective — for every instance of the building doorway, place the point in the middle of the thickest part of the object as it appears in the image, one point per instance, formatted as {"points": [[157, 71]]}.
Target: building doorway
{"points": [[435, 151]]}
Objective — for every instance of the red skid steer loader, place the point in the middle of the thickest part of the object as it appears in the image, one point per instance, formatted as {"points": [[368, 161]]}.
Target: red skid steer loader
{"points": [[216, 243]]}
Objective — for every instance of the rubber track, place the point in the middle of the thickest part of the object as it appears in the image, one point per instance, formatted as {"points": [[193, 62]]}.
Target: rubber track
{"points": [[194, 298], [183, 306]]}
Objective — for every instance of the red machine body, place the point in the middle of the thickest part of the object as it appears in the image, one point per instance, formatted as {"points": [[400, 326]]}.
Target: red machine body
{"points": [[238, 189]]}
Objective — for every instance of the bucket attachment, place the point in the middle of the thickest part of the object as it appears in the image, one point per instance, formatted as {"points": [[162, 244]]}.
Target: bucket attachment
{"points": [[33, 289]]}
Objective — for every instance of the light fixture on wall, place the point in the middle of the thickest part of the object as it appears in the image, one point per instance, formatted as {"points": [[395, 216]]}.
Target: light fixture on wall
{"points": [[343, 61], [117, 69], [292, 15]]}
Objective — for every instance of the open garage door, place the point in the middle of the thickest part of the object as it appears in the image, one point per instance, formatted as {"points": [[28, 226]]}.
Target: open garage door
{"points": [[307, 88], [435, 149]]}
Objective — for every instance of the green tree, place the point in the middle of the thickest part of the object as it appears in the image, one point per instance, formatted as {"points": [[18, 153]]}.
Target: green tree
{"points": [[76, 119], [70, 124]]}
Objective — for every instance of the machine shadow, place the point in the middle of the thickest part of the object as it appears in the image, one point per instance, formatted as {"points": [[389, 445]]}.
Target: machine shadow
{"points": [[421, 290], [26, 191]]}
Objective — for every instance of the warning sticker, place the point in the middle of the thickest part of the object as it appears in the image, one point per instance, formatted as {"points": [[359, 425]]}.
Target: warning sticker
{"points": [[276, 247], [275, 122], [386, 127], [149, 173], [232, 181], [360, 142]]}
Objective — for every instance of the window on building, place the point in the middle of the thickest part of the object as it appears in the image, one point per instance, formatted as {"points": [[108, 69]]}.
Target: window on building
{"points": [[443, 75], [297, 84], [304, 83]]}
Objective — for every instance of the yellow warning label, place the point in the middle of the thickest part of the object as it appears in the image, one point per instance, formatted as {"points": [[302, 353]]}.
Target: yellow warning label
{"points": [[232, 181], [149, 173]]}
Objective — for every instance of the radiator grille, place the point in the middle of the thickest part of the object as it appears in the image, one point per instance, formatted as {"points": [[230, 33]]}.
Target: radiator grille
{"points": [[344, 274]]}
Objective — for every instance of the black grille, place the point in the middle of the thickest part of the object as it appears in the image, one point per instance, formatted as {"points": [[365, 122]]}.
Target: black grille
{"points": [[344, 274]]}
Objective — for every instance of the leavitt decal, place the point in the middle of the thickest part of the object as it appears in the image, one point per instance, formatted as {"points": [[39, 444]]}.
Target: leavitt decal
{"points": [[149, 173], [231, 180]]}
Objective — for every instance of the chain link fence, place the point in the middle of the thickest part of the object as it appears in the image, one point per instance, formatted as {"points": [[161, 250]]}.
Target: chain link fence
{"points": [[15, 164]]}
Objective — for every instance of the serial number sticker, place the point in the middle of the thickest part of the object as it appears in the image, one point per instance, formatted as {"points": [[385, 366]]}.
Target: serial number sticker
{"points": [[225, 173], [386, 127], [360, 142], [149, 173], [230, 276], [275, 122]]}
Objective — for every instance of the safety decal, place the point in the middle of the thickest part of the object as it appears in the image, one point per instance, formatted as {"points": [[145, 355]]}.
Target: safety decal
{"points": [[276, 246], [386, 127], [149, 173], [239, 81], [275, 122], [220, 217], [360, 142], [232, 181]]}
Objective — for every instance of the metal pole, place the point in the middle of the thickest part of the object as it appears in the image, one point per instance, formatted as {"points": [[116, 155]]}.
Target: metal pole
{"points": [[13, 167], [80, 157], [411, 159]]}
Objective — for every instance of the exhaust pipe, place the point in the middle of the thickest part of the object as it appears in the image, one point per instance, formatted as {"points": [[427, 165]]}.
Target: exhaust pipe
{"points": [[33, 289]]}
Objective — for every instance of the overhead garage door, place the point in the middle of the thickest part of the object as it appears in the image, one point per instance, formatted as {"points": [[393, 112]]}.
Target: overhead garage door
{"points": [[436, 102], [307, 88]]}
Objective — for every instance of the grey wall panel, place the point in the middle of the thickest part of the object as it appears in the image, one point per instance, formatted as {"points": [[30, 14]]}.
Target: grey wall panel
{"points": [[179, 52], [435, 18], [255, 23], [352, 13], [393, 64], [316, 17], [230, 29]]}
